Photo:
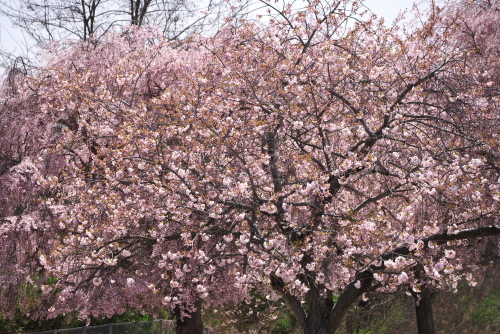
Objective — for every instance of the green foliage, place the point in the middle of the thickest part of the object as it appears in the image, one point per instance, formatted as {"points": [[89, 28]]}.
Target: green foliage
{"points": [[284, 324], [487, 311], [379, 315], [20, 323], [7, 327]]}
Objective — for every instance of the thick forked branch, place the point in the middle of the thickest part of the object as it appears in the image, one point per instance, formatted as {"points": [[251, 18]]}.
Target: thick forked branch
{"points": [[363, 282], [293, 302], [442, 238]]}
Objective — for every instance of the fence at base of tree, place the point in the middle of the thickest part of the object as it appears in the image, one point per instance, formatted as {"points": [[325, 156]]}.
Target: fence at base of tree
{"points": [[139, 327]]}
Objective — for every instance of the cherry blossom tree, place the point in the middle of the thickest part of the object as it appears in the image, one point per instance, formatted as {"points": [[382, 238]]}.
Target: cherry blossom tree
{"points": [[28, 223], [316, 153]]}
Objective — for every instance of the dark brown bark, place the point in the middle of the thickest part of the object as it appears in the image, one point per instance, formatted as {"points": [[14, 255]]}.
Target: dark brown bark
{"points": [[323, 316], [444, 237], [348, 296], [318, 315], [425, 316], [192, 324], [292, 301], [423, 304]]}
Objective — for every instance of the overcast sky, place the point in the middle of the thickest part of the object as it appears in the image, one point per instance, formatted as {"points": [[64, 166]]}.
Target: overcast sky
{"points": [[13, 41], [389, 8]]}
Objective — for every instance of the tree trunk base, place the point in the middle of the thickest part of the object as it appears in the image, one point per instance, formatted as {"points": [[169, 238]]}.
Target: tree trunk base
{"points": [[191, 325]]}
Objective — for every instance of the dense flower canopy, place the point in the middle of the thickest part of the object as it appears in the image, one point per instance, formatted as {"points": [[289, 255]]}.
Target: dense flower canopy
{"points": [[305, 154]]}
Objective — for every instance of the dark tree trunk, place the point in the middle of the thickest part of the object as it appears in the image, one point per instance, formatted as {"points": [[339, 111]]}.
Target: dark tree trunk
{"points": [[349, 295], [318, 326], [321, 315], [191, 325], [425, 316]]}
